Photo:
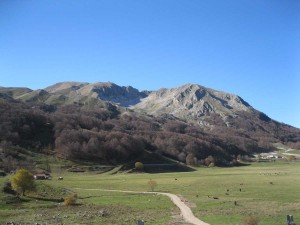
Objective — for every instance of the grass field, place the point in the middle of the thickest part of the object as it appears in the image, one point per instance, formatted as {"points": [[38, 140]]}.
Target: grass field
{"points": [[268, 191]]}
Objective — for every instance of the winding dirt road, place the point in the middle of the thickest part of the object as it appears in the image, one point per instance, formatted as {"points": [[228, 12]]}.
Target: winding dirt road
{"points": [[186, 211]]}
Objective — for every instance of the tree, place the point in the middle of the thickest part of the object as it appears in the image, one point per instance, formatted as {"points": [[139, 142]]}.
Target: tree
{"points": [[191, 159], [70, 199], [209, 160], [139, 166], [152, 184], [22, 181]]}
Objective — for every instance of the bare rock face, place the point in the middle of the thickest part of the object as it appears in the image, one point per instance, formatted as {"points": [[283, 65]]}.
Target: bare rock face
{"points": [[124, 96], [193, 103]]}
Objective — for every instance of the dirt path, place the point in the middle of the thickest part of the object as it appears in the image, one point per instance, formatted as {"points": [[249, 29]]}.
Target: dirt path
{"points": [[294, 154], [186, 211]]}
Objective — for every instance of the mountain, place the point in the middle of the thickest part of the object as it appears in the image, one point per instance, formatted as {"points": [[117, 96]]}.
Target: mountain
{"points": [[112, 124], [86, 94], [192, 102], [14, 92], [104, 91], [65, 87], [217, 112]]}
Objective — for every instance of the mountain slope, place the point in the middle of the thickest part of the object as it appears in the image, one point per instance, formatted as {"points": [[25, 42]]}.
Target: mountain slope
{"points": [[190, 123], [14, 92], [102, 91], [192, 103], [65, 87], [223, 114], [124, 96]]}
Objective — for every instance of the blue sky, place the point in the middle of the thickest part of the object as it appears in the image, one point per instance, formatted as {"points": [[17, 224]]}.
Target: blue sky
{"points": [[247, 47]]}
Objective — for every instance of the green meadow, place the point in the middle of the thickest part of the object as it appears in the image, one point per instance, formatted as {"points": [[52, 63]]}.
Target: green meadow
{"points": [[219, 196]]}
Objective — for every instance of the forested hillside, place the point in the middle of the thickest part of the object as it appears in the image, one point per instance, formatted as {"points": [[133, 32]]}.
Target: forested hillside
{"points": [[108, 133]]}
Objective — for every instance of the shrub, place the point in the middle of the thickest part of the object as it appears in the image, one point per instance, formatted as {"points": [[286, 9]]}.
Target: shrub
{"points": [[70, 199], [23, 181], [209, 160], [152, 184], [139, 166], [250, 220], [191, 159]]}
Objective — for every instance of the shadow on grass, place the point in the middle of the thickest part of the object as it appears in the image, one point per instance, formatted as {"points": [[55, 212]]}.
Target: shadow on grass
{"points": [[46, 199], [13, 199], [89, 197]]}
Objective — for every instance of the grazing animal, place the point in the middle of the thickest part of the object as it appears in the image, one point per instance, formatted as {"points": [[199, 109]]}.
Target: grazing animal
{"points": [[235, 203], [215, 198]]}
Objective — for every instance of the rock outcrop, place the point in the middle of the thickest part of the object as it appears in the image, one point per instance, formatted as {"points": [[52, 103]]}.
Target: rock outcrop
{"points": [[192, 102]]}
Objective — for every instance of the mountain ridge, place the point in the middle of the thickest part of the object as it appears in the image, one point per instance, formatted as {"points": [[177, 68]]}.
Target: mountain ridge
{"points": [[190, 102], [113, 124], [193, 102]]}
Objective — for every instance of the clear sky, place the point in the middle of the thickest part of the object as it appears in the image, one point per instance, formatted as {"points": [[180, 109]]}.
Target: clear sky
{"points": [[247, 47]]}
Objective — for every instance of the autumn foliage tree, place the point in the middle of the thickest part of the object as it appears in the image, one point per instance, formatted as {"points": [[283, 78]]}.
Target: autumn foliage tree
{"points": [[22, 181], [70, 199]]}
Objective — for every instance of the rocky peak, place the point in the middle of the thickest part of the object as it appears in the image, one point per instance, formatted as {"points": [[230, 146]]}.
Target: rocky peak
{"points": [[124, 96], [192, 102]]}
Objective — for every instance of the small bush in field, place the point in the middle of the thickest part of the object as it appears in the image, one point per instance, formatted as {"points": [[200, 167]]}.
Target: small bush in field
{"points": [[70, 199], [22, 181], [250, 220], [152, 184], [139, 166]]}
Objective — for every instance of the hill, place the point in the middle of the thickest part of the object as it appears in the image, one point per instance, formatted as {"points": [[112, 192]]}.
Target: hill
{"points": [[105, 91], [193, 102], [110, 124]]}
